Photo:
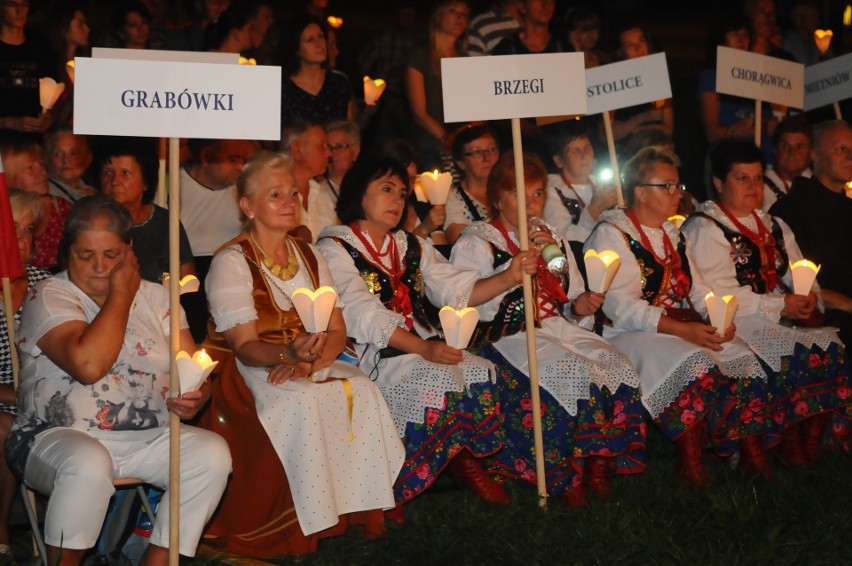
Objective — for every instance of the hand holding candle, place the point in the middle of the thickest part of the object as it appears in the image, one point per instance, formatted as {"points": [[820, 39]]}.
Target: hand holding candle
{"points": [[458, 325], [804, 274], [721, 310], [601, 269], [193, 371], [437, 186], [314, 307]]}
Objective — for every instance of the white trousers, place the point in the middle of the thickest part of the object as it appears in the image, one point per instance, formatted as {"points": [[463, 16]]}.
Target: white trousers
{"points": [[76, 468]]}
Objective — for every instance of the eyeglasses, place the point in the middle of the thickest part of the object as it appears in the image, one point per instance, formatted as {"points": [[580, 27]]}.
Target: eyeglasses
{"points": [[340, 146], [481, 153], [670, 188]]}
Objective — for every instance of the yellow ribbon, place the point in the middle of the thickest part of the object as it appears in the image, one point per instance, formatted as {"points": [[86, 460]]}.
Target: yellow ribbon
{"points": [[348, 388]]}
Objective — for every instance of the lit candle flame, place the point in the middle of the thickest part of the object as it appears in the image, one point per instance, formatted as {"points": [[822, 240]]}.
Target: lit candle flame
{"points": [[822, 38]]}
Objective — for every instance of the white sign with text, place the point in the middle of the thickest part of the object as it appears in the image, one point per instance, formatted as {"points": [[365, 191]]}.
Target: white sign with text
{"points": [[627, 83], [513, 86], [759, 77], [177, 100], [160, 55], [828, 82]]}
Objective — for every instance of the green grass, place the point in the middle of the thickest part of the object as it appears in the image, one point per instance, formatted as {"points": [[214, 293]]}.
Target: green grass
{"points": [[802, 518]]}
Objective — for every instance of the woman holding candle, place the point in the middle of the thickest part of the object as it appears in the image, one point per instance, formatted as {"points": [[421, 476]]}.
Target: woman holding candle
{"points": [[94, 399], [698, 382], [745, 252], [442, 399], [591, 415], [314, 447], [475, 151]]}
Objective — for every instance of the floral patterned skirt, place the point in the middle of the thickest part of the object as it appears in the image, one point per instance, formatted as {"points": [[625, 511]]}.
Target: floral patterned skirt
{"points": [[812, 381], [606, 424], [729, 409], [468, 421]]}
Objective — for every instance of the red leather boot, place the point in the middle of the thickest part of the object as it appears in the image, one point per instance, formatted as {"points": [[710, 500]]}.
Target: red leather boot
{"points": [[753, 458], [791, 447], [814, 427], [594, 477], [468, 470], [691, 466]]}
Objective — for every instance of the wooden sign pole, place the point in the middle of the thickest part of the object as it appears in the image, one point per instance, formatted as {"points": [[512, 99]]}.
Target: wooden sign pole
{"points": [[174, 330], [529, 312], [162, 190], [758, 118], [613, 158]]}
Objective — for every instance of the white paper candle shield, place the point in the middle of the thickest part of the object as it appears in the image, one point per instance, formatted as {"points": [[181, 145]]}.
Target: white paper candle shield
{"points": [[49, 92], [373, 89], [677, 220], [193, 371], [458, 325], [188, 283], [601, 269], [314, 307], [721, 311], [804, 274], [419, 193], [437, 186], [822, 39]]}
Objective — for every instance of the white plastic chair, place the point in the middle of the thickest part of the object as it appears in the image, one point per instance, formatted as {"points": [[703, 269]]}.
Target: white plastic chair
{"points": [[30, 505]]}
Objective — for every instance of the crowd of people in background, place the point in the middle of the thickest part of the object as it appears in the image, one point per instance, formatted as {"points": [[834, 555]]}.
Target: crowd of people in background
{"points": [[338, 202]]}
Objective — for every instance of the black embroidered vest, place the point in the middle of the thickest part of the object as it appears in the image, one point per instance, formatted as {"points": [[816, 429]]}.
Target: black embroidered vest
{"points": [[655, 277], [746, 257], [424, 312], [573, 206]]}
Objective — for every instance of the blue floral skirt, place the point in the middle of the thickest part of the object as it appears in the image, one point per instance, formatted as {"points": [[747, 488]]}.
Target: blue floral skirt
{"points": [[606, 424], [469, 421]]}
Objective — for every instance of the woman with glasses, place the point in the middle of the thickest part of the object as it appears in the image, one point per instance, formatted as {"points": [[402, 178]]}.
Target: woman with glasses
{"points": [[475, 151], [699, 383], [745, 252]]}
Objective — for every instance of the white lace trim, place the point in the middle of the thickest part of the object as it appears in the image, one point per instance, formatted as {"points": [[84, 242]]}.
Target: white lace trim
{"points": [[345, 233], [711, 209], [620, 220], [771, 342], [679, 380], [568, 377], [425, 385]]}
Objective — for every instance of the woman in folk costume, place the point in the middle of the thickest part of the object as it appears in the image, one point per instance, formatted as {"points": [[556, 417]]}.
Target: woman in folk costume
{"points": [[591, 411], [699, 383], [745, 252], [442, 399], [314, 446]]}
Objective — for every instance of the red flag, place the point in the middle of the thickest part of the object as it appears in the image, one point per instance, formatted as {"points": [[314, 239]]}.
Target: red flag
{"points": [[10, 259]]}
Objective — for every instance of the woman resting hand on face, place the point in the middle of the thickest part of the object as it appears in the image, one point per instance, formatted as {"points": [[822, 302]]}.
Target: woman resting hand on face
{"points": [[94, 399]]}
